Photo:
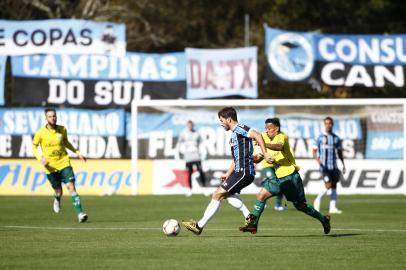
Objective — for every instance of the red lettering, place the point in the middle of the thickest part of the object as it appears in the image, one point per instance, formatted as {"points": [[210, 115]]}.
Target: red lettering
{"points": [[246, 68], [210, 74], [195, 73]]}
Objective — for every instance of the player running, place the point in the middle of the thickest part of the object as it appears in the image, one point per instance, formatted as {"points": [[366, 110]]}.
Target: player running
{"points": [[288, 182], [268, 169], [241, 172], [54, 141]]}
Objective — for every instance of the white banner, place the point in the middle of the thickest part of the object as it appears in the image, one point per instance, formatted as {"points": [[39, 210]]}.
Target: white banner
{"points": [[218, 73], [361, 177], [63, 36]]}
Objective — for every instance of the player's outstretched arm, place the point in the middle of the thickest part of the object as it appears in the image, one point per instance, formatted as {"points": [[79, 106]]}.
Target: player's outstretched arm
{"points": [[275, 147], [257, 136]]}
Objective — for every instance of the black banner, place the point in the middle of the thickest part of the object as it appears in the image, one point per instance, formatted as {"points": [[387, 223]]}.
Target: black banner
{"points": [[91, 93]]}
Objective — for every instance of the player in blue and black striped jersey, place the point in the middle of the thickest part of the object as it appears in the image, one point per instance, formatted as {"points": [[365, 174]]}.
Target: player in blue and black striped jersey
{"points": [[325, 152], [241, 172]]}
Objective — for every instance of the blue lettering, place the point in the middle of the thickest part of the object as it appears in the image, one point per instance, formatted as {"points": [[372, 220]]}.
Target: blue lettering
{"points": [[80, 179], [115, 180], [94, 177], [39, 180], [27, 176]]}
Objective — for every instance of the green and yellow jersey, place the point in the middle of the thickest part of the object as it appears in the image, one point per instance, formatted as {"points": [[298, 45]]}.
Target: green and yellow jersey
{"points": [[267, 140], [285, 163], [53, 145]]}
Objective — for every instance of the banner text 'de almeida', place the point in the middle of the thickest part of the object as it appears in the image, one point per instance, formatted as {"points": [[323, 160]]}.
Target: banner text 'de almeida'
{"points": [[97, 134]]}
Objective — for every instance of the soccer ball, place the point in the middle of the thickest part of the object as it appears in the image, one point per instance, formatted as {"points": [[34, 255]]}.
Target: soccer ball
{"points": [[171, 227]]}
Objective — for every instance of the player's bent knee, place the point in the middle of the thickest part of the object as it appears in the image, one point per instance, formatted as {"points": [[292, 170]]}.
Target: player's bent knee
{"points": [[70, 187], [219, 194], [263, 195], [300, 206]]}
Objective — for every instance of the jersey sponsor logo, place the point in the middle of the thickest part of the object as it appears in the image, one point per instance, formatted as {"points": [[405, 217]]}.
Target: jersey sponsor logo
{"points": [[51, 144], [327, 146], [55, 153]]}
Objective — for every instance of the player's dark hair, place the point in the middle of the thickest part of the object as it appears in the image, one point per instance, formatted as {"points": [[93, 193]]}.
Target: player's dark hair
{"points": [[329, 118], [49, 110], [228, 112], [274, 121]]}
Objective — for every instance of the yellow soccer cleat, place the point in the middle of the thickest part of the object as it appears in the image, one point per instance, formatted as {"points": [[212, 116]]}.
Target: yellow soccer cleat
{"points": [[192, 226]]}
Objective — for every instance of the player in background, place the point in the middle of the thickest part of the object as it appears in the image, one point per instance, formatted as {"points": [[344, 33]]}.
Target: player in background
{"points": [[53, 141], [268, 169], [288, 181], [325, 152], [241, 172], [189, 141]]}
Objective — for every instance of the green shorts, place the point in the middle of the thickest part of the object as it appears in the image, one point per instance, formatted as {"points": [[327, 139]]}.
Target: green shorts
{"points": [[65, 175], [269, 173], [290, 186]]}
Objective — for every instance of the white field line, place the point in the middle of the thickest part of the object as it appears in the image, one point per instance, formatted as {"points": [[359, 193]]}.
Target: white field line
{"points": [[208, 229]]}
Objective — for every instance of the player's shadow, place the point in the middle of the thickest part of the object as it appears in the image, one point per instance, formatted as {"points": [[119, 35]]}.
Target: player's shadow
{"points": [[306, 236], [343, 234]]}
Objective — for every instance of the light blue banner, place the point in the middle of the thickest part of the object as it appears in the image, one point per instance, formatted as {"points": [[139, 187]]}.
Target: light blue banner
{"points": [[293, 51], [311, 127], [175, 121], [385, 145], [3, 60], [22, 121], [62, 36], [361, 49], [295, 127], [336, 60], [134, 66]]}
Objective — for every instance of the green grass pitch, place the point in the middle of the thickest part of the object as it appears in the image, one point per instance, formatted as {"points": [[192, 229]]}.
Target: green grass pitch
{"points": [[125, 233]]}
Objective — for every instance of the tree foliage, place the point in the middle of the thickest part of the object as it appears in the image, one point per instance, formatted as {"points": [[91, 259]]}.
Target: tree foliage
{"points": [[162, 26]]}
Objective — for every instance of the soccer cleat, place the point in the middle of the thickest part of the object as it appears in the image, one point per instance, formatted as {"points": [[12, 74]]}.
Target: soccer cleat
{"points": [[335, 211], [250, 219], [326, 224], [280, 208], [192, 226], [82, 217], [249, 226], [57, 206]]}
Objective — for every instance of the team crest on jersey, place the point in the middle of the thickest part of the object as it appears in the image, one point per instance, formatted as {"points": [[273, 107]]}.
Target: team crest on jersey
{"points": [[233, 142], [59, 137]]}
